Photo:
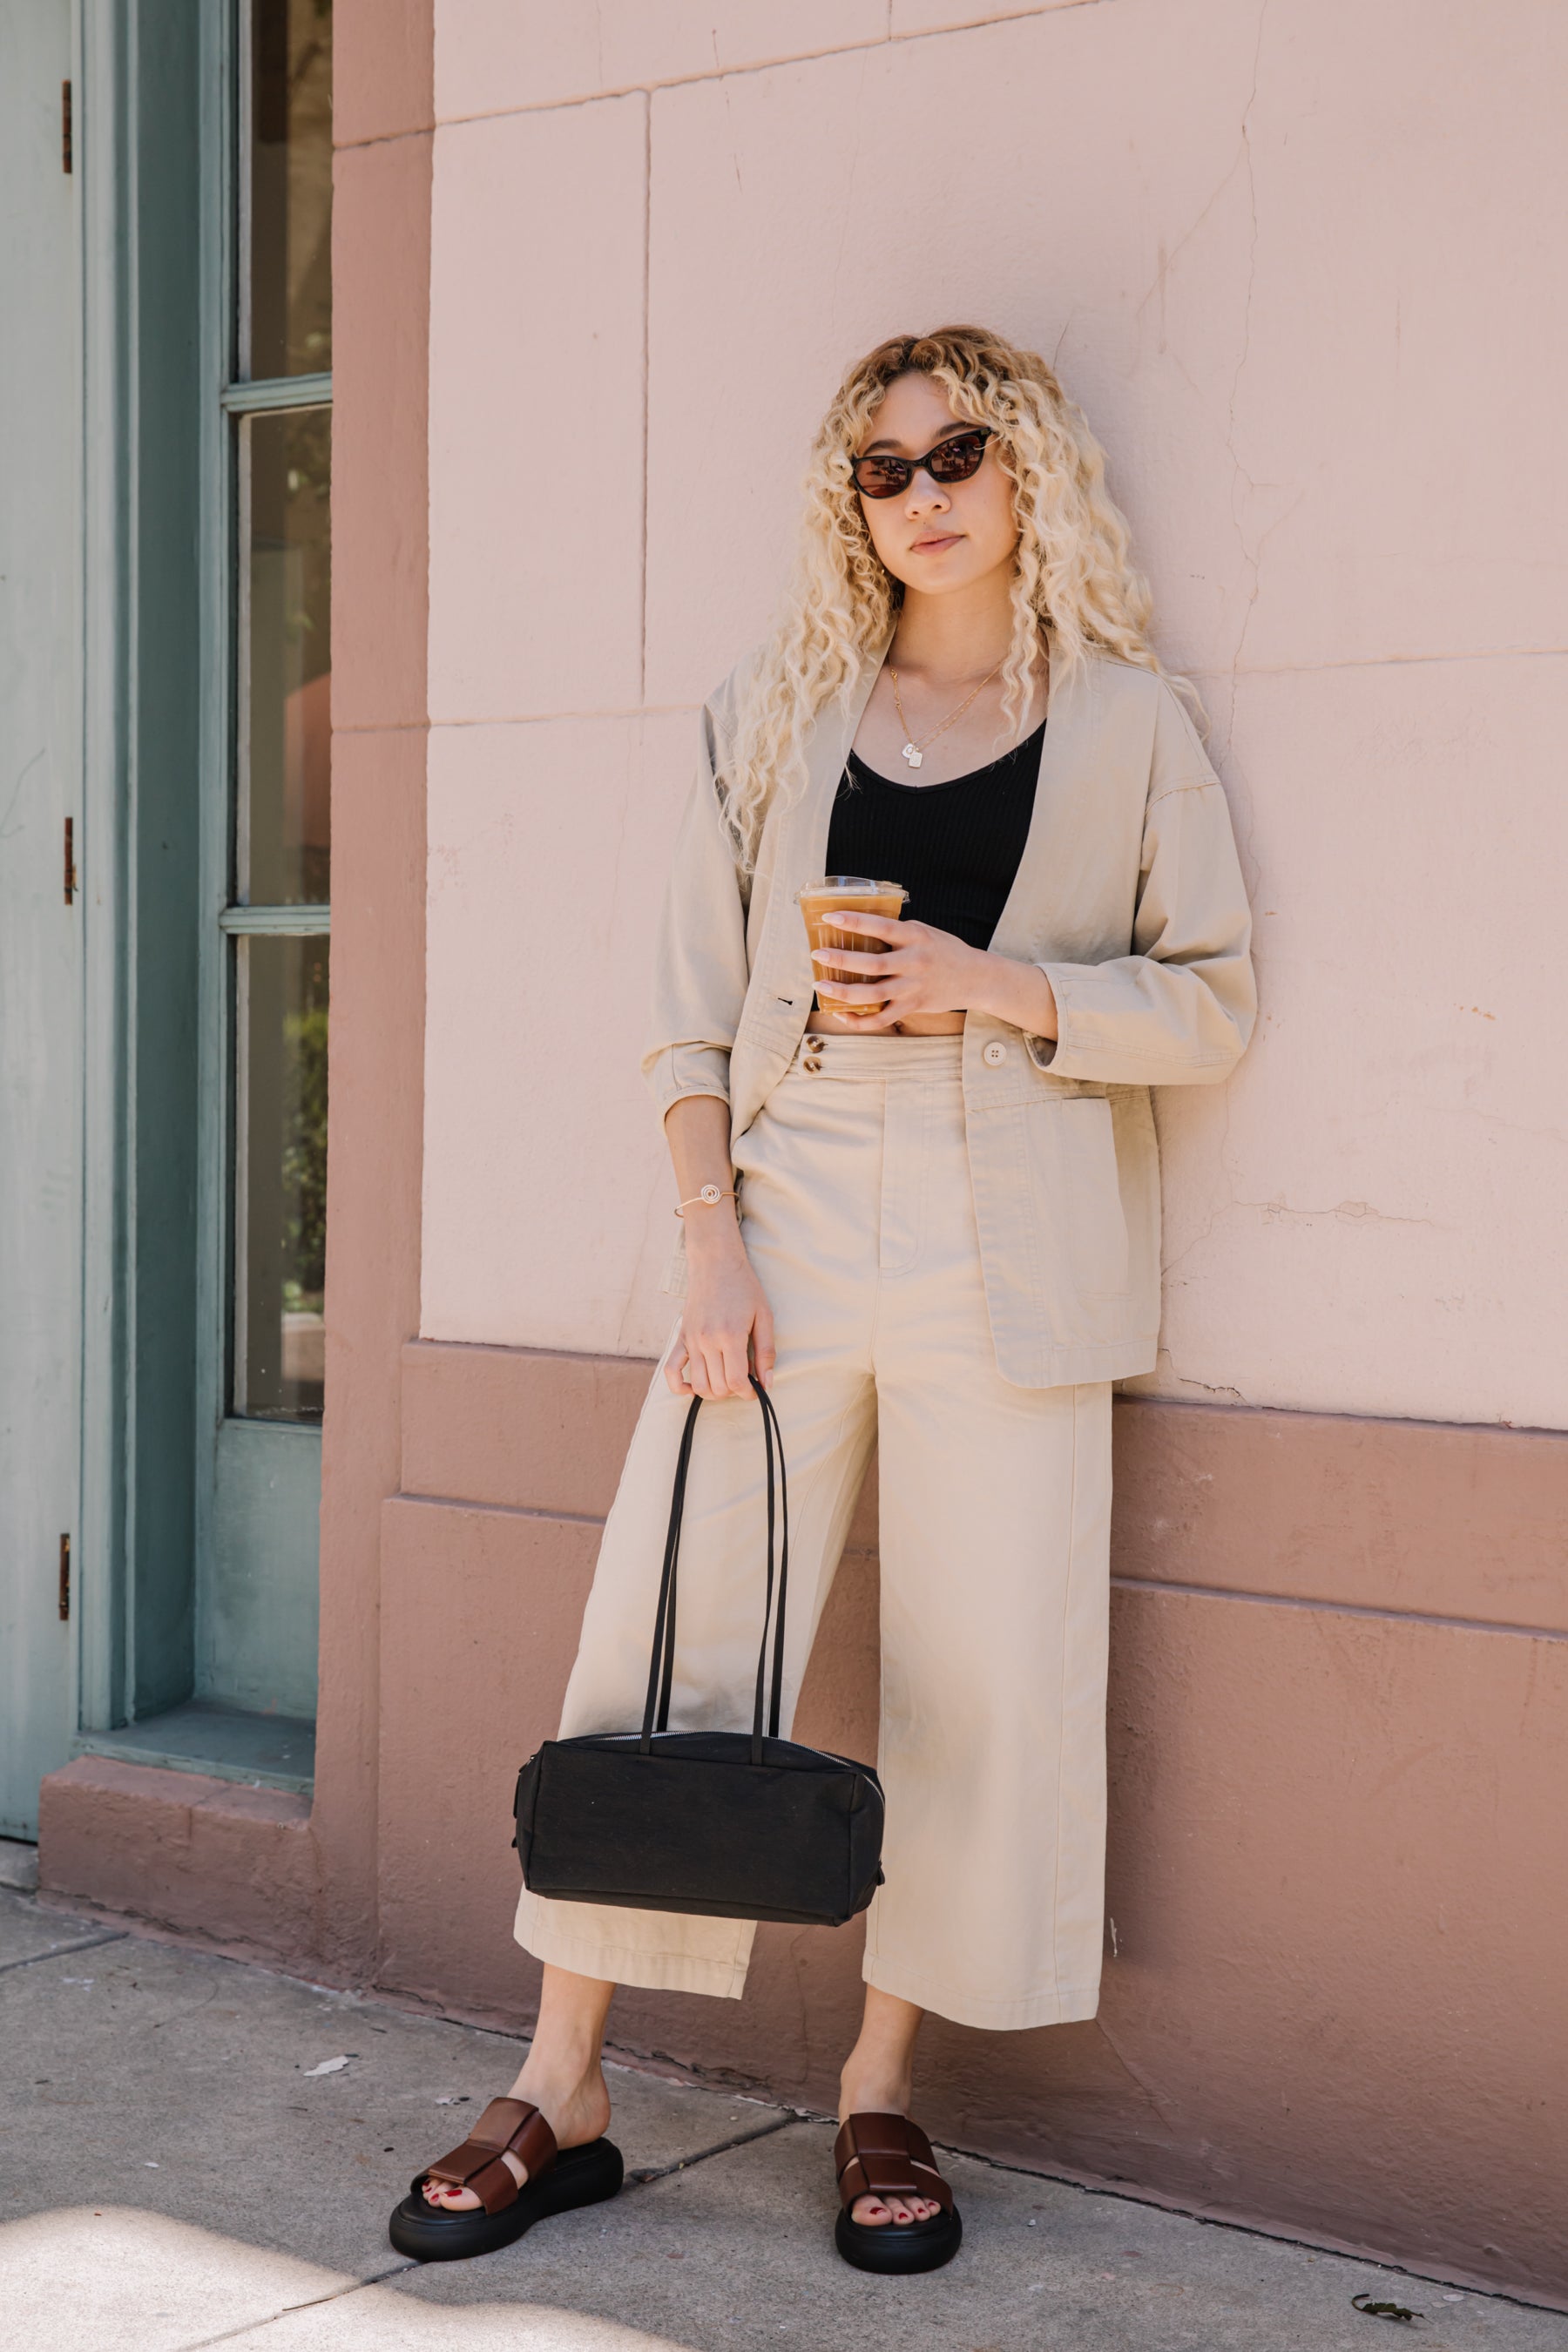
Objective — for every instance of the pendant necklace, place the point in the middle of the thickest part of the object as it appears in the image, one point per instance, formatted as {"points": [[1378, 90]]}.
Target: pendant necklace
{"points": [[915, 752]]}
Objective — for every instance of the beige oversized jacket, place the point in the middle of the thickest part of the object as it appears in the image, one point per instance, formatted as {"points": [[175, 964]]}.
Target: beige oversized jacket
{"points": [[1129, 896]]}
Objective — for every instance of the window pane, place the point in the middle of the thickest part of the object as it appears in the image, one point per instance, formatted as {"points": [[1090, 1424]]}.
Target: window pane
{"points": [[285, 657], [290, 188], [280, 1162]]}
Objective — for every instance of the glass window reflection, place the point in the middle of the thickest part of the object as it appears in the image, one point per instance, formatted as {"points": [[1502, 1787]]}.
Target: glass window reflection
{"points": [[284, 845], [291, 189], [281, 1223]]}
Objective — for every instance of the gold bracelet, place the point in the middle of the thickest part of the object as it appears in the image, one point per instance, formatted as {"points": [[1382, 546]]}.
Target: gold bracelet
{"points": [[708, 1198]]}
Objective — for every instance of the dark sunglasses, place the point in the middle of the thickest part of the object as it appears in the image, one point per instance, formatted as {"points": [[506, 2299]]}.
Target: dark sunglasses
{"points": [[953, 460]]}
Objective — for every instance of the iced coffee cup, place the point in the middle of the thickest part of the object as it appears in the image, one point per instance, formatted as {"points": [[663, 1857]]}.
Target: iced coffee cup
{"points": [[847, 894]]}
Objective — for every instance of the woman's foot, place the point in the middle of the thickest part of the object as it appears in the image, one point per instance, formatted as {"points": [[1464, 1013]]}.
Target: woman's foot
{"points": [[882, 2212], [871, 2095], [878, 2079], [574, 2103], [887, 2166], [561, 2076]]}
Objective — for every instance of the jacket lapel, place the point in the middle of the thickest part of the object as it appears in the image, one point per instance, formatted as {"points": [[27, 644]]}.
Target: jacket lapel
{"points": [[803, 846], [1066, 760], [836, 729]]}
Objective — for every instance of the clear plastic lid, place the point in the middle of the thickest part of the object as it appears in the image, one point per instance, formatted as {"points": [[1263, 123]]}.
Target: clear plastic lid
{"points": [[853, 886]]}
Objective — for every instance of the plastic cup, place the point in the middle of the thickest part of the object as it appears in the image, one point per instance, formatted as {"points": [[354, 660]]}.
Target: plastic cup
{"points": [[850, 894]]}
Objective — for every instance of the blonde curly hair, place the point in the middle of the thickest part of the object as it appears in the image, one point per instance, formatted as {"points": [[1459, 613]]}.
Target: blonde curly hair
{"points": [[1075, 575]]}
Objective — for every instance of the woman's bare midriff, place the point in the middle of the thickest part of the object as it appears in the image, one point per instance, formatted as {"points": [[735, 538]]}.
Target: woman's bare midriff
{"points": [[918, 1025]]}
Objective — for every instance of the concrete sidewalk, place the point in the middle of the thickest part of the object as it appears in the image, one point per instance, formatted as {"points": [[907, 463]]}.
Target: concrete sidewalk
{"points": [[185, 2165]]}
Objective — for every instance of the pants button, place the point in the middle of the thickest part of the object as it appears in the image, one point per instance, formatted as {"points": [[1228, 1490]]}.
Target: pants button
{"points": [[814, 1067]]}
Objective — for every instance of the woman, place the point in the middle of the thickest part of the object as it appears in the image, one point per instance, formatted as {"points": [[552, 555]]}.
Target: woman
{"points": [[923, 1205]]}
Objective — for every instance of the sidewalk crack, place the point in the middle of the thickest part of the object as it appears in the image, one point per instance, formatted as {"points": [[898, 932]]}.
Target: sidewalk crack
{"points": [[288, 2310], [63, 1951], [648, 2172]]}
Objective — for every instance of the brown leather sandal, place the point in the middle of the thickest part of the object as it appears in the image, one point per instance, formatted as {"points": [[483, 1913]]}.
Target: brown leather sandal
{"points": [[889, 2155], [558, 2180]]}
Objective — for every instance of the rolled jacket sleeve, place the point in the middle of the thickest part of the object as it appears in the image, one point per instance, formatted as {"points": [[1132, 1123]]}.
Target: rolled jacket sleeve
{"points": [[700, 970], [1180, 1007]]}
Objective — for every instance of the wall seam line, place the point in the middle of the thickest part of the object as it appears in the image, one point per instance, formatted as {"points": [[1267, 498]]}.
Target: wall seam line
{"points": [[1196, 670], [384, 139], [763, 65], [383, 727], [646, 254], [1379, 661], [1339, 1608], [553, 718], [502, 1511]]}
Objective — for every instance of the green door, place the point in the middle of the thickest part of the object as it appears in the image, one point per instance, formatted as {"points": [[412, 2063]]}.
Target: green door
{"points": [[40, 923], [208, 263]]}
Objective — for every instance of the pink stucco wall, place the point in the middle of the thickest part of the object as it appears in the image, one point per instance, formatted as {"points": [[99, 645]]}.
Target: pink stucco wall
{"points": [[1289, 254]]}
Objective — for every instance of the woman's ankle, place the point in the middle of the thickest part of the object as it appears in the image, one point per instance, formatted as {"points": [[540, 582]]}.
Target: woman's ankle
{"points": [[565, 2057], [558, 2073], [878, 2076], [872, 2090], [563, 2077]]}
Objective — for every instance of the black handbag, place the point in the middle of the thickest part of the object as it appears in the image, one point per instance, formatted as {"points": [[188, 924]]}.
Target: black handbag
{"points": [[728, 1824]]}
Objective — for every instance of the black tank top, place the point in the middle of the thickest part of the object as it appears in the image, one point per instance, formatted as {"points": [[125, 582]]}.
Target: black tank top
{"points": [[955, 847]]}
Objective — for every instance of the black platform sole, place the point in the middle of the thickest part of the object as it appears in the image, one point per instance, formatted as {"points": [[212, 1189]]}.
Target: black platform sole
{"points": [[579, 2176], [897, 2249]]}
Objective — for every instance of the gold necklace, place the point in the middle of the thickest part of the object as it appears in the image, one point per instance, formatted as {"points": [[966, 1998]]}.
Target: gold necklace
{"points": [[915, 752]]}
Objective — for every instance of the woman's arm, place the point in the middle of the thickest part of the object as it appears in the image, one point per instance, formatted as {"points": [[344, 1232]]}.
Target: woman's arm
{"points": [[1180, 1009], [727, 1325], [701, 969], [701, 974]]}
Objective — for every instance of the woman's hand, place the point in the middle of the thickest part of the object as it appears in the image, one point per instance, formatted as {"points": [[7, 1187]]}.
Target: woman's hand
{"points": [[931, 972], [727, 1326]]}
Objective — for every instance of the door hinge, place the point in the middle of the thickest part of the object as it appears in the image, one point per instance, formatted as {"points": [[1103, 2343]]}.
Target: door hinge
{"points": [[65, 1577], [70, 860], [65, 126]]}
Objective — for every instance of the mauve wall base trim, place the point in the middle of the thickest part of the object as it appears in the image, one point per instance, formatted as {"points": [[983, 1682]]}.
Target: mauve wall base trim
{"points": [[1443, 1522]]}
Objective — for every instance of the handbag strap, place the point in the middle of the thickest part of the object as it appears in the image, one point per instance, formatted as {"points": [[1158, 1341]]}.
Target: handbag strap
{"points": [[661, 1665], [663, 1658]]}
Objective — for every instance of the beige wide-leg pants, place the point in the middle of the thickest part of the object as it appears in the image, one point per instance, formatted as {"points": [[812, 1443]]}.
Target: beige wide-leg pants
{"points": [[996, 1508]]}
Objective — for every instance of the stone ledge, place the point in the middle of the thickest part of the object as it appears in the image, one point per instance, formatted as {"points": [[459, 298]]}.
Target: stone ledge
{"points": [[181, 1850]]}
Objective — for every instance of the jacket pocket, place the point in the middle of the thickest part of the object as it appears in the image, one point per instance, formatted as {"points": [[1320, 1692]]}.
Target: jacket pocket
{"points": [[1070, 1148]]}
